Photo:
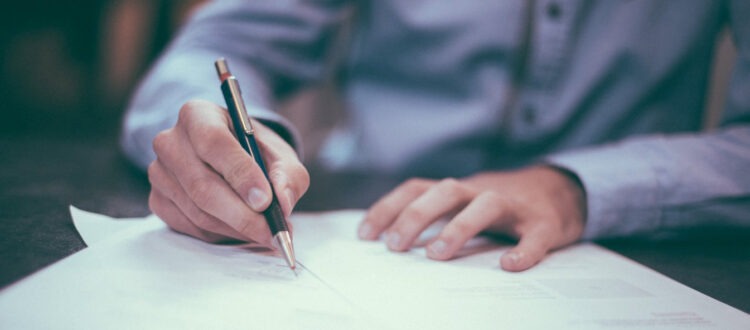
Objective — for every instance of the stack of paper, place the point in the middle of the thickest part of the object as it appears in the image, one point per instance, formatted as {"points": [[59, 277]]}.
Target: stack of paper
{"points": [[139, 274]]}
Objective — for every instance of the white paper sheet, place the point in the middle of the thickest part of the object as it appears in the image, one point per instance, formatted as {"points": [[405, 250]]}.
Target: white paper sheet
{"points": [[94, 228], [142, 275], [581, 287]]}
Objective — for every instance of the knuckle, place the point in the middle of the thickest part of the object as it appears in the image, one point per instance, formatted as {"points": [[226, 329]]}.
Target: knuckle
{"points": [[206, 223], [210, 137], [240, 172], [492, 198], [202, 191], [415, 183], [278, 177], [496, 204], [161, 142], [302, 176], [157, 206], [189, 109], [449, 187], [450, 183], [152, 173], [206, 137], [153, 204]]}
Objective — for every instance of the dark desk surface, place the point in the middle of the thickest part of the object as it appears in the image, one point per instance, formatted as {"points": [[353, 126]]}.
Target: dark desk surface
{"points": [[41, 177]]}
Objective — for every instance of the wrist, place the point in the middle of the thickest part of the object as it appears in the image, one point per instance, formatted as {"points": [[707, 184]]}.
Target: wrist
{"points": [[572, 188]]}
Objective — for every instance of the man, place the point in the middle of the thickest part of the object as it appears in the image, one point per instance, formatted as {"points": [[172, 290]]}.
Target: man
{"points": [[549, 121]]}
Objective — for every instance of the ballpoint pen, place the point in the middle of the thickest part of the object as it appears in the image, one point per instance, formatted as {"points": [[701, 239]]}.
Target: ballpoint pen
{"points": [[246, 136]]}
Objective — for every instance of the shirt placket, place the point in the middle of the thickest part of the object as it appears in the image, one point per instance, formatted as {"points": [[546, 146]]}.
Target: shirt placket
{"points": [[550, 46]]}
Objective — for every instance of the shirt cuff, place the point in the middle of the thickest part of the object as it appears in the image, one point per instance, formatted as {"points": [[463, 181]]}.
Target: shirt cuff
{"points": [[622, 189]]}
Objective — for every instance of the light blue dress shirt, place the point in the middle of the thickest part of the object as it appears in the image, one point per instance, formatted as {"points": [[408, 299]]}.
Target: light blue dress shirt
{"points": [[612, 90]]}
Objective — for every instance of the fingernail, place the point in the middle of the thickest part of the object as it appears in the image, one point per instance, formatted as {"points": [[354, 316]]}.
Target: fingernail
{"points": [[393, 240], [257, 199], [364, 231], [514, 257], [437, 248]]}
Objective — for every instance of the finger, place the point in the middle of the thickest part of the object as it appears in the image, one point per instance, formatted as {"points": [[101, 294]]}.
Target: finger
{"points": [[445, 197], [487, 208], [385, 210], [175, 219], [206, 126], [531, 249], [288, 175], [166, 184], [207, 189]]}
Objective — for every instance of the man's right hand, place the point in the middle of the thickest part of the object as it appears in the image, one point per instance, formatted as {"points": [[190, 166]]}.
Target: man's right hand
{"points": [[205, 185]]}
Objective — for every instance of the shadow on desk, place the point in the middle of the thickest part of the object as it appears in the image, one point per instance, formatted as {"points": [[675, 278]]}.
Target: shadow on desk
{"points": [[40, 178], [715, 262]]}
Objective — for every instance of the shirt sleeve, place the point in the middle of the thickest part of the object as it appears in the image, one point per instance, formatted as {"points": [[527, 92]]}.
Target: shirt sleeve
{"points": [[660, 184], [272, 47]]}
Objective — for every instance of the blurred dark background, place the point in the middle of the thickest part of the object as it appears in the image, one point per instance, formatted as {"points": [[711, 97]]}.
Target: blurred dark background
{"points": [[68, 66]]}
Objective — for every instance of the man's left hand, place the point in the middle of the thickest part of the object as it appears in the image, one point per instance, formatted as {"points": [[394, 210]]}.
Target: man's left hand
{"points": [[542, 206]]}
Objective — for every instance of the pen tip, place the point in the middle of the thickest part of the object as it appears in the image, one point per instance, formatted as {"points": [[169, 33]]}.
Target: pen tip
{"points": [[284, 243]]}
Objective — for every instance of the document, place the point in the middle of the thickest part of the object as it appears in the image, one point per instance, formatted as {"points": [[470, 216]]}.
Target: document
{"points": [[137, 273]]}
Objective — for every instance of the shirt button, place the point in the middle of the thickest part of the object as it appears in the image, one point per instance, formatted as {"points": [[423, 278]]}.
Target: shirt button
{"points": [[529, 115], [553, 10]]}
